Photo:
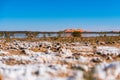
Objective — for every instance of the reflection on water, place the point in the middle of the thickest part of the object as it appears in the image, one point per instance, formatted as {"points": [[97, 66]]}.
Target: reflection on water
{"points": [[22, 35], [96, 35], [46, 35]]}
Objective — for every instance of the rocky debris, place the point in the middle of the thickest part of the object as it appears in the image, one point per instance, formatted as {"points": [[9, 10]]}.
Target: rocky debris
{"points": [[109, 58], [96, 59], [80, 67]]}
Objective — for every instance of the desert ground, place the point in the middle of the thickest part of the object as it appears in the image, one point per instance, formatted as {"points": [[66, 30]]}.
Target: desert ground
{"points": [[95, 58]]}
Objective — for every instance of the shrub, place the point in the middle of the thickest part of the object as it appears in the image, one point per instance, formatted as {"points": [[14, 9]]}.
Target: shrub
{"points": [[76, 34]]}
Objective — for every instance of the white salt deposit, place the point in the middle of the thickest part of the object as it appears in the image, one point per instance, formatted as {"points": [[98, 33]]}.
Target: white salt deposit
{"points": [[105, 50], [58, 61], [35, 72], [83, 48], [3, 52], [107, 71]]}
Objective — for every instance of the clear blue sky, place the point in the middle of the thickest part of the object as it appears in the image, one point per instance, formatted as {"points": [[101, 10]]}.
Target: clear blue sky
{"points": [[55, 15]]}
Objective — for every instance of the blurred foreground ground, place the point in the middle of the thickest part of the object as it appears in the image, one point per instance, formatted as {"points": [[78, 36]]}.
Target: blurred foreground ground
{"points": [[56, 58]]}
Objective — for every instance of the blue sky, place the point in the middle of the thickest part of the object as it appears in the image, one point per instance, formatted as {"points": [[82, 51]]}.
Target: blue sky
{"points": [[55, 15]]}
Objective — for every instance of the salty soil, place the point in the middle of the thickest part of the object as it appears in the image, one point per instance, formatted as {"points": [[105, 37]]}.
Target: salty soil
{"points": [[49, 60]]}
